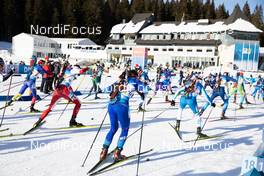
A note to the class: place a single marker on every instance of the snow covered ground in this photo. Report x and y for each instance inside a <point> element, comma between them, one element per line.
<point>54,151</point>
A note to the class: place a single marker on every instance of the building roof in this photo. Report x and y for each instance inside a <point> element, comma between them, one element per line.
<point>118,28</point>
<point>134,25</point>
<point>40,37</point>
<point>237,21</point>
<point>132,28</point>
<point>80,41</point>
<point>178,42</point>
<point>138,17</point>
<point>242,25</point>
<point>236,14</point>
<point>195,27</point>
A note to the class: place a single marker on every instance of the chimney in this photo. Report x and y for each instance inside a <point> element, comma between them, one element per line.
<point>124,21</point>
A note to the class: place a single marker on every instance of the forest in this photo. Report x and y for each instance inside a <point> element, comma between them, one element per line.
<point>17,16</point>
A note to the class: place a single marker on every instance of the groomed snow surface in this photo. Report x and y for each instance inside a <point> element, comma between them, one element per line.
<point>53,151</point>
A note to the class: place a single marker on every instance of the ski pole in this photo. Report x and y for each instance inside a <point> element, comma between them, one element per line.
<point>16,84</point>
<point>94,139</point>
<point>204,125</point>
<point>140,142</point>
<point>6,100</point>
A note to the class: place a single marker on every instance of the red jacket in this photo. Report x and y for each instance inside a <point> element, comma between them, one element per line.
<point>47,69</point>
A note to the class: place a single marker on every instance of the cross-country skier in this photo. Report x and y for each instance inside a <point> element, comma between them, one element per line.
<point>30,82</point>
<point>238,87</point>
<point>144,88</point>
<point>97,73</point>
<point>189,92</point>
<point>64,90</point>
<point>118,109</point>
<point>258,87</point>
<point>6,76</point>
<point>219,89</point>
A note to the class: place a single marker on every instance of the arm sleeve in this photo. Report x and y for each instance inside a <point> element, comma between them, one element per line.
<point>179,91</point>
<point>204,93</point>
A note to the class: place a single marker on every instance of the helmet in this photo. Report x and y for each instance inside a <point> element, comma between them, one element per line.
<point>241,73</point>
<point>40,62</point>
<point>137,66</point>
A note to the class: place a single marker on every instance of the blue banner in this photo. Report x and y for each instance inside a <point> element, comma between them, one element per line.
<point>246,55</point>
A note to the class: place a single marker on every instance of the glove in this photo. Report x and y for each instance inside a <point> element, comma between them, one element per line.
<point>12,69</point>
<point>213,104</point>
<point>172,103</point>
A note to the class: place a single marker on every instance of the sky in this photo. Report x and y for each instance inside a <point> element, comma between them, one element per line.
<point>230,4</point>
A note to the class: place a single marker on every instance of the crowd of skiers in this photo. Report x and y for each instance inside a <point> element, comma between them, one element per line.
<point>58,77</point>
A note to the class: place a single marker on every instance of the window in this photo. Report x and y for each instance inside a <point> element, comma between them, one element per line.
<point>199,50</point>
<point>130,48</point>
<point>116,48</point>
<point>124,48</point>
<point>189,50</point>
<point>155,49</point>
<point>148,49</point>
<point>164,49</point>
<point>171,49</point>
<point>180,49</point>
<point>209,50</point>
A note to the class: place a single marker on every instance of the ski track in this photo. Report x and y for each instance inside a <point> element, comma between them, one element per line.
<point>52,151</point>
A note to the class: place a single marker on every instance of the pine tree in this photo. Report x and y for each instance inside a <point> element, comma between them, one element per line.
<point>137,6</point>
<point>1,20</point>
<point>148,6</point>
<point>196,9</point>
<point>28,15</point>
<point>209,8</point>
<point>93,18</point>
<point>246,10</point>
<point>122,11</point>
<point>257,17</point>
<point>9,19</point>
<point>221,12</point>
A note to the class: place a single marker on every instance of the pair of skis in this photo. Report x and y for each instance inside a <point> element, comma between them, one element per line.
<point>114,163</point>
<point>191,140</point>
<point>25,133</point>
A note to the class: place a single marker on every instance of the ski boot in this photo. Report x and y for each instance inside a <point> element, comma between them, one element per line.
<point>140,109</point>
<point>103,153</point>
<point>117,155</point>
<point>73,122</point>
<point>9,102</point>
<point>200,134</point>
<point>223,117</point>
<point>96,97</point>
<point>167,99</point>
<point>241,107</point>
<point>32,109</point>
